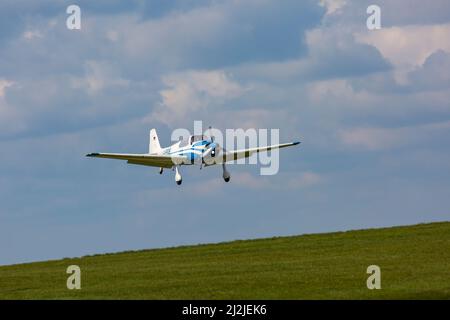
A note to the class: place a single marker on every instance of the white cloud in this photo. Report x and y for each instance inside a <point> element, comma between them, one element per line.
<point>210,186</point>
<point>304,180</point>
<point>332,52</point>
<point>332,6</point>
<point>247,180</point>
<point>32,34</point>
<point>338,93</point>
<point>3,85</point>
<point>99,75</point>
<point>112,35</point>
<point>194,91</point>
<point>10,120</point>
<point>408,47</point>
<point>375,138</point>
<point>248,118</point>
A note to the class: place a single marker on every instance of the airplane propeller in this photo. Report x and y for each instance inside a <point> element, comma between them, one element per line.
<point>211,149</point>
<point>211,136</point>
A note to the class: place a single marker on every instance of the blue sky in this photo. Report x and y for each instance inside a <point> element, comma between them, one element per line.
<point>371,108</point>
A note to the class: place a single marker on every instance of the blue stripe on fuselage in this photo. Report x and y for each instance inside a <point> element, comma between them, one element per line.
<point>199,143</point>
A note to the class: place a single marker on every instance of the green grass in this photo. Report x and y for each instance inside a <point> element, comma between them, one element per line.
<point>414,262</point>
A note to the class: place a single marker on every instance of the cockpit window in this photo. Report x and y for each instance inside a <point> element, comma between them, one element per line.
<point>197,138</point>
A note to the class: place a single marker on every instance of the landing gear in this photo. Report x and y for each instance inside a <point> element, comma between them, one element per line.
<point>178,178</point>
<point>226,175</point>
<point>161,170</point>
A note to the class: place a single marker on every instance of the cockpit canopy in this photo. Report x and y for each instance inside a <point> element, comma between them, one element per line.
<point>195,138</point>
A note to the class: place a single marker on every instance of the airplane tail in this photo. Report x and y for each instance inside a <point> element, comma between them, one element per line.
<point>154,146</point>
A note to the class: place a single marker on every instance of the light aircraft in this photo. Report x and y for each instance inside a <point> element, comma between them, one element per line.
<point>197,150</point>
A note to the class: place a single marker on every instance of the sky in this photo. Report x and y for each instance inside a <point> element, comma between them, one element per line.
<point>371,107</point>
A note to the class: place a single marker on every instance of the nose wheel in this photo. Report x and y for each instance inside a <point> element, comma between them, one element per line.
<point>178,178</point>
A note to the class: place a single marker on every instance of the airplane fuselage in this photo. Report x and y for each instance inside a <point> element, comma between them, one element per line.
<point>193,153</point>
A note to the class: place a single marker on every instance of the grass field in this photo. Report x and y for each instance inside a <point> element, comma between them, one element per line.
<point>414,262</point>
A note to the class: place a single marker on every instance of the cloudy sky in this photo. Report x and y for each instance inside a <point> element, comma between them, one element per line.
<point>372,109</point>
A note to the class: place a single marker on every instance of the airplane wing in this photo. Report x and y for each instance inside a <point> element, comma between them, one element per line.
<point>142,159</point>
<point>245,153</point>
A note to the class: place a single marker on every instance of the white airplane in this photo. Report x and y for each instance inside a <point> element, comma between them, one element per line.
<point>198,150</point>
